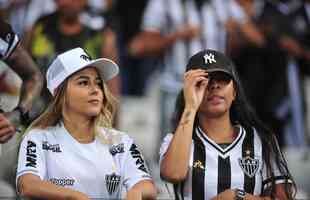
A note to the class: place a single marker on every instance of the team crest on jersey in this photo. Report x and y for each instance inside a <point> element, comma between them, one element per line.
<point>249,165</point>
<point>112,183</point>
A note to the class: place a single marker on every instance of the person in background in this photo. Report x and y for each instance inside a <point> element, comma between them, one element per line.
<point>71,151</point>
<point>63,30</point>
<point>12,53</point>
<point>227,152</point>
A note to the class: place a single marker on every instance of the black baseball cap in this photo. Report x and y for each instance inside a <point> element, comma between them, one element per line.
<point>212,61</point>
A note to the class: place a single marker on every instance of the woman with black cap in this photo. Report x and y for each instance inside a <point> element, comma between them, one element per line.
<point>219,149</point>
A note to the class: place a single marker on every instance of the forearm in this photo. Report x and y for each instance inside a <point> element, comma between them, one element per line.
<point>174,166</point>
<point>142,190</point>
<point>151,44</point>
<point>32,79</point>
<point>252,33</point>
<point>31,186</point>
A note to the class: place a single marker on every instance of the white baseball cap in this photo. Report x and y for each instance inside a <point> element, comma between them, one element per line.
<point>73,60</point>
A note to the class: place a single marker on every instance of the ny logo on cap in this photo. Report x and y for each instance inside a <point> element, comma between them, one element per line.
<point>209,58</point>
<point>85,57</point>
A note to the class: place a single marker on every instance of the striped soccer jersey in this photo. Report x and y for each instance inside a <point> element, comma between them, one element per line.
<point>8,40</point>
<point>213,169</point>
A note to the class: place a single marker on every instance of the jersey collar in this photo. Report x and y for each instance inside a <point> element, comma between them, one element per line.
<point>208,141</point>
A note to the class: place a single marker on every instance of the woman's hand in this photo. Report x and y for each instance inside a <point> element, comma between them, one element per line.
<point>195,84</point>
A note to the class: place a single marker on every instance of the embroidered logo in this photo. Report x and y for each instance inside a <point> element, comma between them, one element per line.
<point>85,57</point>
<point>249,165</point>
<point>51,147</point>
<point>112,183</point>
<point>8,37</point>
<point>209,58</point>
<point>115,149</point>
<point>198,164</point>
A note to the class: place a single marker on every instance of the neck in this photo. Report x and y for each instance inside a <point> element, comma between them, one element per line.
<point>80,128</point>
<point>219,129</point>
<point>70,26</point>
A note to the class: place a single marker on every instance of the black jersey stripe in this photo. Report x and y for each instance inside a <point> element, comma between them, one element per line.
<point>248,151</point>
<point>198,172</point>
<point>176,189</point>
<point>222,151</point>
<point>224,174</point>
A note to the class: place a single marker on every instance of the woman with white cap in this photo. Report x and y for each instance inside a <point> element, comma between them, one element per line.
<point>71,150</point>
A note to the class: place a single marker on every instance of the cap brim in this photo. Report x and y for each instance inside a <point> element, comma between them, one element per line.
<point>106,67</point>
<point>219,70</point>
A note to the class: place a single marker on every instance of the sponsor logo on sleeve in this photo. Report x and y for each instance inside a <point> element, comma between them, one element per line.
<point>112,183</point>
<point>51,147</point>
<point>62,181</point>
<point>135,153</point>
<point>115,149</point>
<point>31,156</point>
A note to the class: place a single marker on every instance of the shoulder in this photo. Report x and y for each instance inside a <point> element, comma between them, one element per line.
<point>40,134</point>
<point>49,20</point>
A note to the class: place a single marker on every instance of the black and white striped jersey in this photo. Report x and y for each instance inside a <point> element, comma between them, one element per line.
<point>8,40</point>
<point>213,169</point>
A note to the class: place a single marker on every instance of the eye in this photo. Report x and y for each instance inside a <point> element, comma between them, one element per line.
<point>99,83</point>
<point>84,82</point>
<point>221,77</point>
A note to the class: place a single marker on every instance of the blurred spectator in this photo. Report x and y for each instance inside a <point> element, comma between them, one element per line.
<point>19,60</point>
<point>13,54</point>
<point>136,71</point>
<point>268,90</point>
<point>63,30</point>
<point>180,28</point>
<point>22,14</point>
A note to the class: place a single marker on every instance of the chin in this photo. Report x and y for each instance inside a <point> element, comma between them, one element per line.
<point>93,113</point>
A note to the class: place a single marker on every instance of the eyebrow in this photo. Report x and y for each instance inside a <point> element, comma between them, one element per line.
<point>86,77</point>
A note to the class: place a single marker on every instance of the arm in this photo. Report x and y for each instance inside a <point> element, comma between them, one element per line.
<point>142,190</point>
<point>152,43</point>
<point>109,50</point>
<point>21,63</point>
<point>174,165</point>
<point>31,186</point>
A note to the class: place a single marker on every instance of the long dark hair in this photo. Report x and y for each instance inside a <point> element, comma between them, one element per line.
<point>242,113</point>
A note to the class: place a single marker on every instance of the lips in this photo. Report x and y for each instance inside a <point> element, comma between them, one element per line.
<point>95,101</point>
<point>215,99</point>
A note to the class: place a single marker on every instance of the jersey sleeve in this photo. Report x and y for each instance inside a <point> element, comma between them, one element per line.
<point>31,158</point>
<point>134,166</point>
<point>154,16</point>
<point>164,146</point>
<point>279,177</point>
<point>8,40</point>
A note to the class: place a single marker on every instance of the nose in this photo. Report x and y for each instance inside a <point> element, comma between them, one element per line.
<point>213,85</point>
<point>94,89</point>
